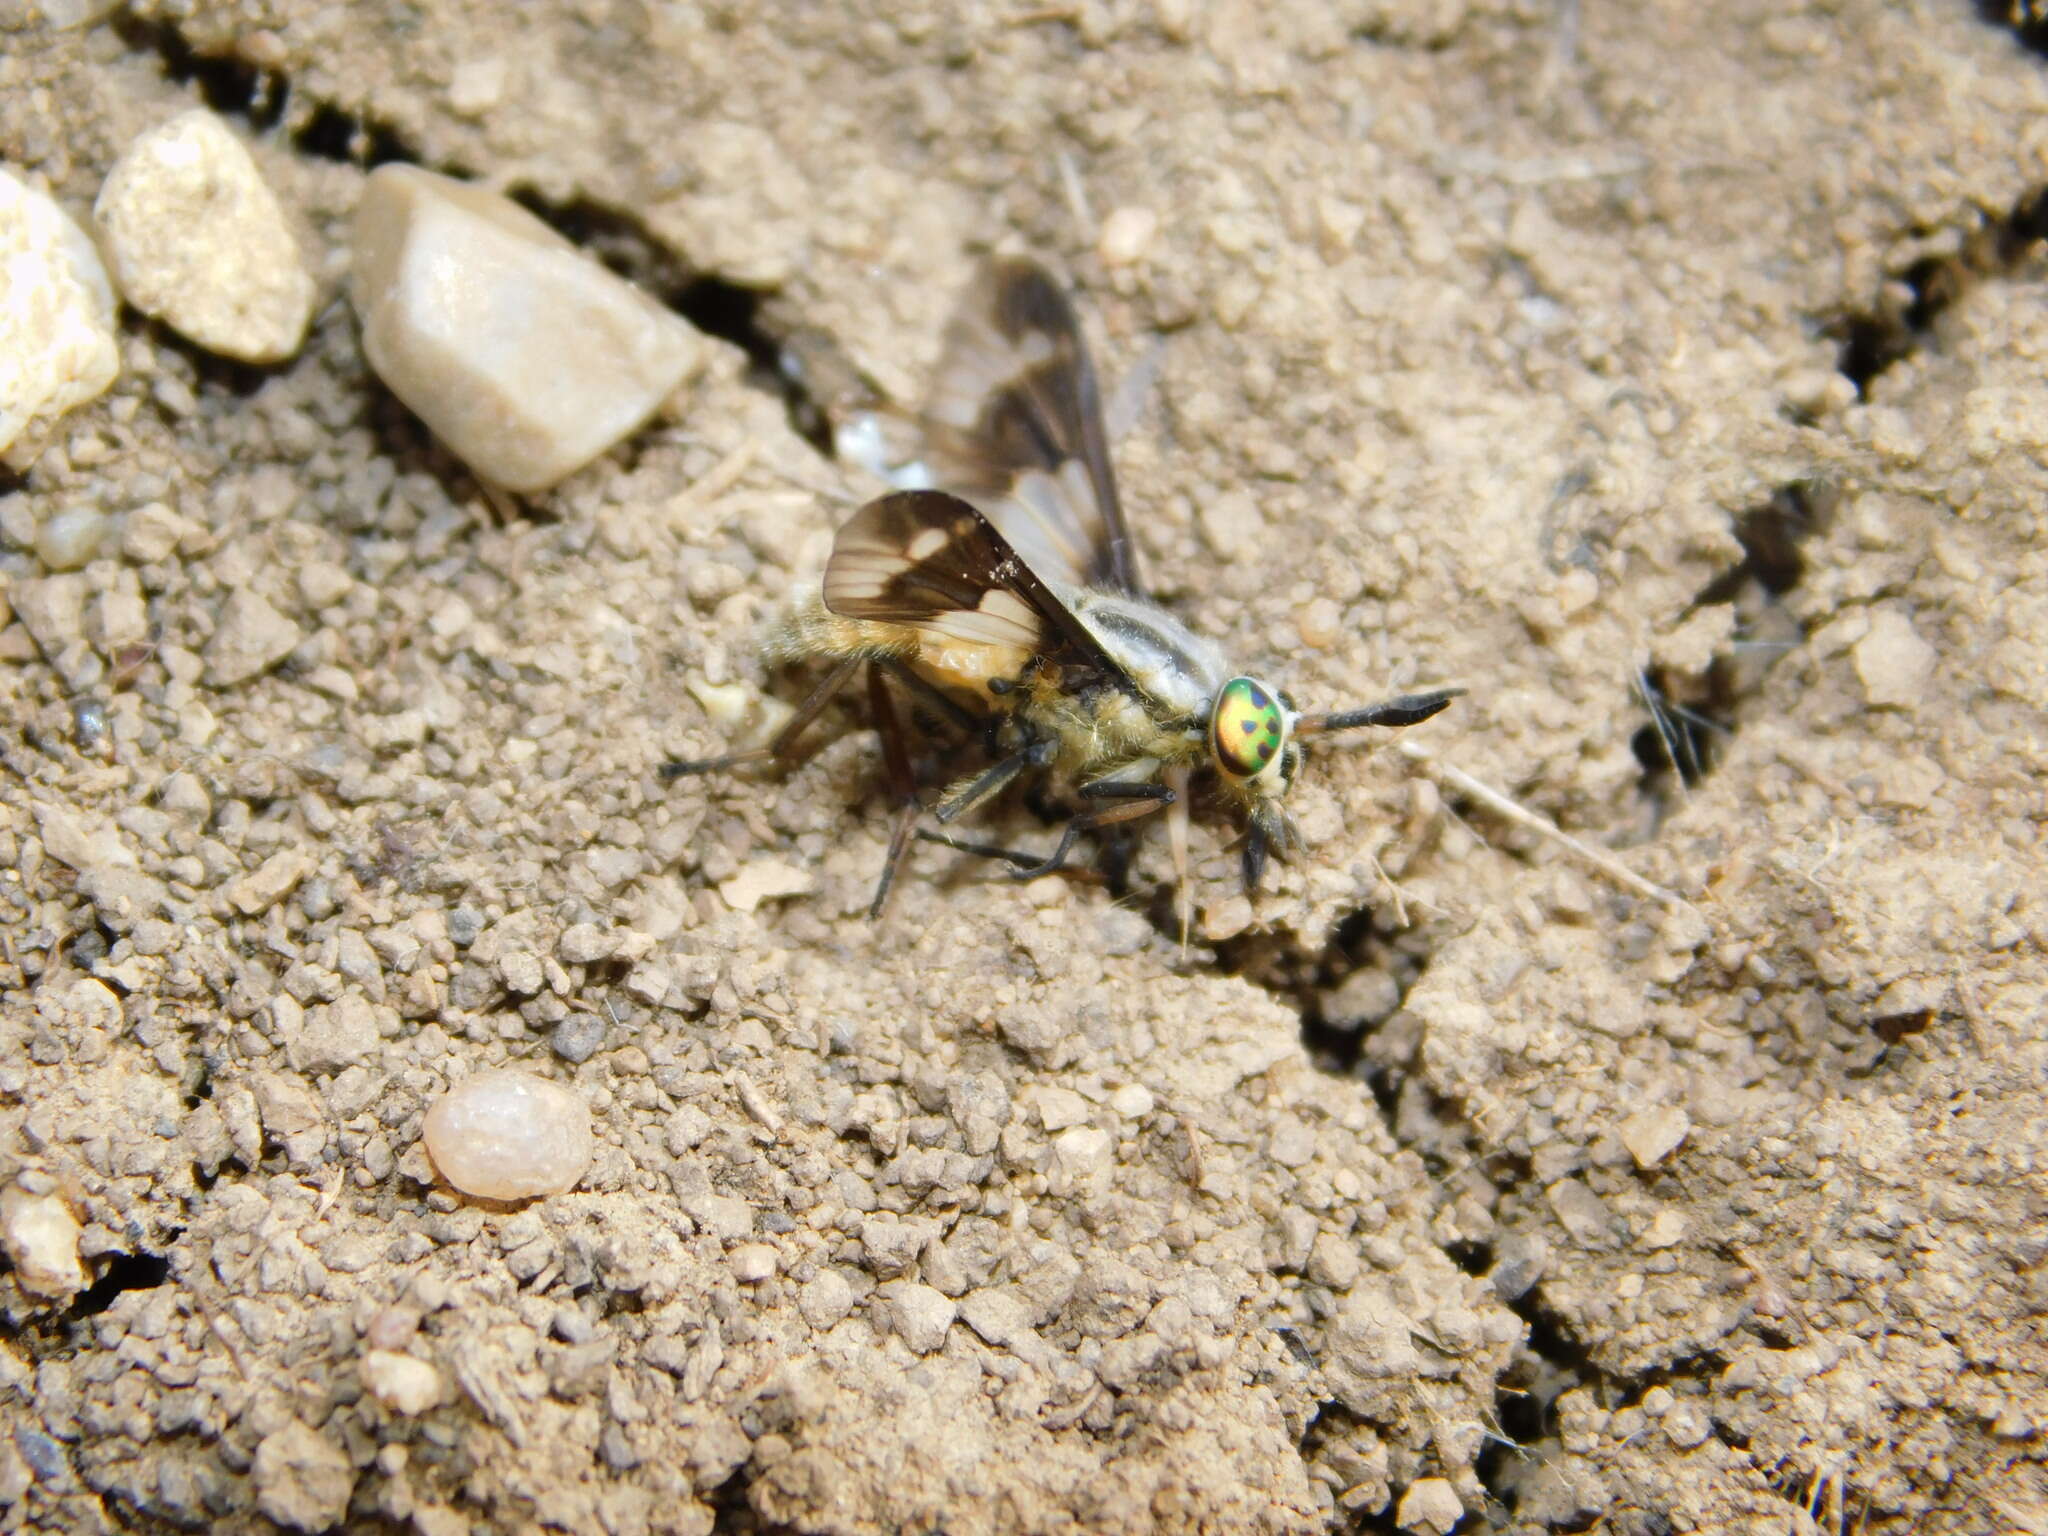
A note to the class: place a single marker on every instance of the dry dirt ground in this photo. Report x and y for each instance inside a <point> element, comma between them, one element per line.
<point>1585,354</point>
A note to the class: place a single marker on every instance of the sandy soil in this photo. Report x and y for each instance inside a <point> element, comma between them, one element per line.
<point>1563,352</point>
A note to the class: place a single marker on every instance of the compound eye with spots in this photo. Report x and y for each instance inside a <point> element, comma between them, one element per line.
<point>1247,730</point>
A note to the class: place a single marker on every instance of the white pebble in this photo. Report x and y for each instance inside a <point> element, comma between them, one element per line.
<point>525,357</point>
<point>40,1236</point>
<point>1430,1507</point>
<point>401,1382</point>
<point>825,1299</point>
<point>1893,663</point>
<point>1081,1155</point>
<point>252,637</point>
<point>752,1262</point>
<point>1133,1101</point>
<point>508,1135</point>
<point>197,239</point>
<point>1125,235</point>
<point>920,1315</point>
<point>71,538</point>
<point>57,345</point>
<point>765,880</point>
<point>1651,1135</point>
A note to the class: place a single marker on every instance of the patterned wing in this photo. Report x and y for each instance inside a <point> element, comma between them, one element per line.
<point>1014,423</point>
<point>932,562</point>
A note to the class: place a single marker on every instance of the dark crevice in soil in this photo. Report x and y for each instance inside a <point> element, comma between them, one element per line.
<point>732,1514</point>
<point>1547,1366</point>
<point>1900,320</point>
<point>1343,992</point>
<point>228,85</point>
<point>1551,1363</point>
<point>55,1333</point>
<point>2027,20</point>
<point>263,98</point>
<point>125,1272</point>
<point>1692,717</point>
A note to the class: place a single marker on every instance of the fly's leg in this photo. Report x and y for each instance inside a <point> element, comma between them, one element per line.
<point>902,783</point>
<point>783,747</point>
<point>1176,778</point>
<point>1130,800</point>
<point>979,850</point>
<point>991,781</point>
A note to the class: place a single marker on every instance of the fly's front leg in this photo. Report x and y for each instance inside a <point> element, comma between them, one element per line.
<point>991,781</point>
<point>1176,778</point>
<point>1131,798</point>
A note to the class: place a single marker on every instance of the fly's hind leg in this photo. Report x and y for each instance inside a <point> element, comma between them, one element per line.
<point>783,747</point>
<point>934,699</point>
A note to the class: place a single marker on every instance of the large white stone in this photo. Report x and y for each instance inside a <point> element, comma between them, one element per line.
<point>198,240</point>
<point>526,357</point>
<point>57,343</point>
<point>508,1135</point>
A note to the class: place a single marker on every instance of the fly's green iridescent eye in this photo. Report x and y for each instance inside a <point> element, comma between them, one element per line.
<point>1247,729</point>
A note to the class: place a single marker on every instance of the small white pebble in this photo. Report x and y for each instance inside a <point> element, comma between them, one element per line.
<point>1125,235</point>
<point>765,880</point>
<point>1651,1135</point>
<point>71,539</point>
<point>584,944</point>
<point>826,1299</point>
<point>476,85</point>
<point>1430,1507</point>
<point>521,971</point>
<point>921,1316</point>
<point>726,705</point>
<point>401,1382</point>
<point>1320,623</point>
<point>752,1262</point>
<point>150,533</point>
<point>40,1236</point>
<point>1133,1101</point>
<point>196,238</point>
<point>508,1135</point>
<point>1081,1155</point>
<point>1894,664</point>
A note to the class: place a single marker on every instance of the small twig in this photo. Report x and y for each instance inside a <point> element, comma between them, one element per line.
<point>1543,826</point>
<point>717,480</point>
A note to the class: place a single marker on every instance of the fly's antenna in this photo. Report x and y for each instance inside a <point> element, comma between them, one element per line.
<point>1407,709</point>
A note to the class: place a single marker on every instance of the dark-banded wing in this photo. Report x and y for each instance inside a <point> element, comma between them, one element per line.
<point>932,562</point>
<point>1014,424</point>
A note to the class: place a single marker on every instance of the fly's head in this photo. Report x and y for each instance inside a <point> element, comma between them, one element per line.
<point>1251,744</point>
<point>1251,739</point>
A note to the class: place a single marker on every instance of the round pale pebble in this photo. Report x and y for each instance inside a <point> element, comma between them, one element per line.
<point>508,1135</point>
<point>40,1236</point>
<point>196,237</point>
<point>1125,235</point>
<point>401,1382</point>
<point>71,538</point>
